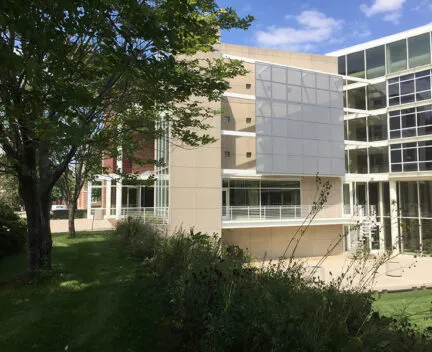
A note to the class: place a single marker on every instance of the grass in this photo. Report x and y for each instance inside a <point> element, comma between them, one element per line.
<point>416,305</point>
<point>98,301</point>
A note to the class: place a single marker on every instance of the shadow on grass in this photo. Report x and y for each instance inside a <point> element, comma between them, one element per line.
<point>98,299</point>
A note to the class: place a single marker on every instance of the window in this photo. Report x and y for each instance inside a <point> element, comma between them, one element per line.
<point>411,122</point>
<point>248,120</point>
<point>341,65</point>
<point>357,130</point>
<point>227,154</point>
<point>376,96</point>
<point>419,50</point>
<point>416,156</point>
<point>248,155</point>
<point>377,128</point>
<point>227,119</point>
<point>378,160</point>
<point>396,56</point>
<point>375,61</point>
<point>410,88</point>
<point>358,161</point>
<point>357,98</point>
<point>248,86</point>
<point>356,64</point>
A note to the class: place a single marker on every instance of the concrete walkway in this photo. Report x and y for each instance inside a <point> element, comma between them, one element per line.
<point>405,273</point>
<point>58,226</point>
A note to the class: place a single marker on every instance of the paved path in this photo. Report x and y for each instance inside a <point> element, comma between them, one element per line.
<point>58,226</point>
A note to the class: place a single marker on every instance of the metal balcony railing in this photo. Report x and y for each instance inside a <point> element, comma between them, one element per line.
<point>155,215</point>
<point>283,212</point>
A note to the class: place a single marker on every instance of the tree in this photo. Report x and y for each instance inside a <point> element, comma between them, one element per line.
<point>89,72</point>
<point>86,162</point>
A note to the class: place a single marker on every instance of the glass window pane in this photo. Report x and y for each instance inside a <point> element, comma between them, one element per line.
<point>378,160</point>
<point>357,130</point>
<point>427,235</point>
<point>396,168</point>
<point>423,84</point>
<point>358,161</point>
<point>377,128</point>
<point>408,121</point>
<point>409,133</point>
<point>396,56</point>
<point>394,123</point>
<point>396,156</point>
<point>356,64</point>
<point>394,90</point>
<point>423,96</point>
<point>375,60</point>
<point>395,134</point>
<point>410,235</point>
<point>409,155</point>
<point>426,200</point>
<point>341,65</point>
<point>376,95</point>
<point>407,87</point>
<point>405,99</point>
<point>419,50</point>
<point>424,118</point>
<point>394,101</point>
<point>408,202</point>
<point>357,98</point>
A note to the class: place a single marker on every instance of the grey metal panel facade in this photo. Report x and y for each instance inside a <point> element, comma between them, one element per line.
<point>299,120</point>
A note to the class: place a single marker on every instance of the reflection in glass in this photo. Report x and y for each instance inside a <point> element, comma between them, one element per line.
<point>419,50</point>
<point>375,61</point>
<point>396,56</point>
<point>410,241</point>
<point>376,95</point>
<point>377,126</point>
<point>356,64</point>
<point>341,65</point>
<point>357,130</point>
<point>408,199</point>
<point>357,98</point>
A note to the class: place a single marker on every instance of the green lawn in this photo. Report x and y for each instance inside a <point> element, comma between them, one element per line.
<point>100,301</point>
<point>415,304</point>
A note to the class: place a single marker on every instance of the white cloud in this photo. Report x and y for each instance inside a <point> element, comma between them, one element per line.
<point>393,17</point>
<point>313,28</point>
<point>391,9</point>
<point>382,6</point>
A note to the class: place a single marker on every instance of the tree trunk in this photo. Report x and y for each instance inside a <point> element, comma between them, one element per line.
<point>71,221</point>
<point>39,241</point>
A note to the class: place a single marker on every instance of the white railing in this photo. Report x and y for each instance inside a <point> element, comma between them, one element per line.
<point>283,212</point>
<point>155,215</point>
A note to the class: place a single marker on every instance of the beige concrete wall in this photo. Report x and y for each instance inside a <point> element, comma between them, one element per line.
<point>271,242</point>
<point>238,110</point>
<point>238,148</point>
<point>333,208</point>
<point>240,84</point>
<point>302,60</point>
<point>195,183</point>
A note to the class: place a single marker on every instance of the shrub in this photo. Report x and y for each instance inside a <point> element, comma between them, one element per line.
<point>64,214</point>
<point>219,301</point>
<point>140,237</point>
<point>12,232</point>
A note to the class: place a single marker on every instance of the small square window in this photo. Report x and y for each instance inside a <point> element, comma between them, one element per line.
<point>248,119</point>
<point>227,154</point>
<point>248,86</point>
<point>248,155</point>
<point>227,119</point>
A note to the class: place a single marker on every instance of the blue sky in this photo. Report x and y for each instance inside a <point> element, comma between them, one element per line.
<point>321,26</point>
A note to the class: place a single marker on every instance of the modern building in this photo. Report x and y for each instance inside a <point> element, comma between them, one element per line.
<point>388,136</point>
<point>281,125</point>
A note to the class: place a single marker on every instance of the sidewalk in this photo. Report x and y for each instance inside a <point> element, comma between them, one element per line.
<point>58,226</point>
<point>416,273</point>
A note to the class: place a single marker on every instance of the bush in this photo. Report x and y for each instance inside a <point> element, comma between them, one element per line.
<point>217,300</point>
<point>140,237</point>
<point>12,232</point>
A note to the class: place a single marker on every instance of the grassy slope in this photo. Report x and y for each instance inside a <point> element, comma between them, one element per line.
<point>415,304</point>
<point>99,303</point>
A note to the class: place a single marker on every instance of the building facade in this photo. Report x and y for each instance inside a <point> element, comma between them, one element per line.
<point>360,118</point>
<point>388,136</point>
